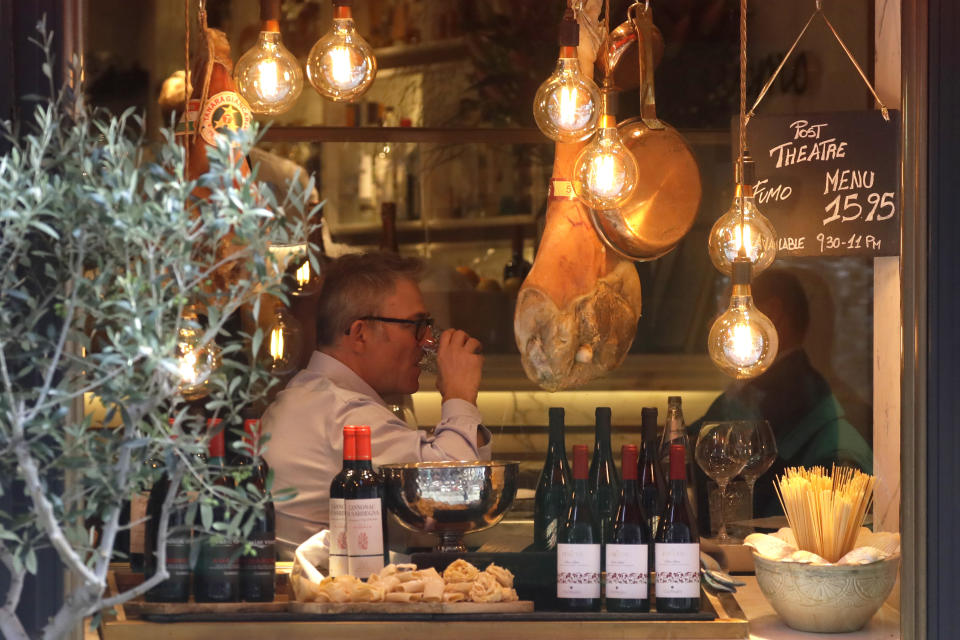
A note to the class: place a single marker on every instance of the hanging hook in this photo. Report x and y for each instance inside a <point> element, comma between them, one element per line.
<point>819,5</point>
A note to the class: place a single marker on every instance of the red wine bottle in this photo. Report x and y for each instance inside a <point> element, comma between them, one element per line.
<point>217,578</point>
<point>338,514</point>
<point>552,500</point>
<point>579,544</point>
<point>258,571</point>
<point>604,481</point>
<point>677,545</point>
<point>363,495</point>
<point>627,556</point>
<point>653,490</point>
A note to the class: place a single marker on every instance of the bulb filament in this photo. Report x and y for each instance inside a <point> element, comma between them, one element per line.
<point>568,107</point>
<point>303,274</point>
<point>340,66</point>
<point>604,175</point>
<point>277,344</point>
<point>188,365</point>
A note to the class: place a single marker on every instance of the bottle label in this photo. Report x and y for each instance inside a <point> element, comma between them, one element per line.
<point>264,559</point>
<point>578,570</point>
<point>338,537</point>
<point>364,536</point>
<point>678,570</point>
<point>627,571</point>
<point>222,112</point>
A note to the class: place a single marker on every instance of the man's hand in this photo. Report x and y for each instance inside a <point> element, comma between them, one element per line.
<point>459,365</point>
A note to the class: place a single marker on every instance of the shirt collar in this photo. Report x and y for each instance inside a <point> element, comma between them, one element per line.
<point>325,365</point>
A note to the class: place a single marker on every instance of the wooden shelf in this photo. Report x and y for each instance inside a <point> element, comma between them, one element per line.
<point>437,230</point>
<point>409,55</point>
<point>435,135</point>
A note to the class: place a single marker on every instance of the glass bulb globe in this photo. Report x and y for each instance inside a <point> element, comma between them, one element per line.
<point>293,261</point>
<point>754,233</point>
<point>283,344</point>
<point>743,341</point>
<point>268,76</point>
<point>566,104</point>
<point>195,363</point>
<point>341,66</point>
<point>605,172</point>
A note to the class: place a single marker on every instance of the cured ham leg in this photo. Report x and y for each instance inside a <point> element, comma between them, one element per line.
<point>577,310</point>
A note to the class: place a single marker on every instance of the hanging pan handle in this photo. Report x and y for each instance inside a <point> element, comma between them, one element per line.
<point>642,17</point>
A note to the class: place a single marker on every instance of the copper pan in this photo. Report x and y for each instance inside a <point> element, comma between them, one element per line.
<point>622,43</point>
<point>664,205</point>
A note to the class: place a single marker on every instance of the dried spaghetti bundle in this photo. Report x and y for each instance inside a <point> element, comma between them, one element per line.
<point>825,511</point>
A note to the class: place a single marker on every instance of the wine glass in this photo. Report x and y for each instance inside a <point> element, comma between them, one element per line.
<point>721,454</point>
<point>761,451</point>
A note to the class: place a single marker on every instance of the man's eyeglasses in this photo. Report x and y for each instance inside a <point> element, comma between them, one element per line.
<point>420,325</point>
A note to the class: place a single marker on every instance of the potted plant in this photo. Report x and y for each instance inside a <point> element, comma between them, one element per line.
<point>104,249</point>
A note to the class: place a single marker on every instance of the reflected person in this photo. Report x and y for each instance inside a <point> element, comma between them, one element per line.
<point>808,422</point>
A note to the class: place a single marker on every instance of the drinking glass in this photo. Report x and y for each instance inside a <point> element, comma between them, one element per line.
<point>760,447</point>
<point>721,454</point>
<point>428,359</point>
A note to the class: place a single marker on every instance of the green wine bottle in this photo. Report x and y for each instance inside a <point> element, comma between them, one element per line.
<point>604,480</point>
<point>552,500</point>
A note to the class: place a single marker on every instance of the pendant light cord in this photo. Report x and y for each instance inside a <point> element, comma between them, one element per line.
<point>742,120</point>
<point>186,88</point>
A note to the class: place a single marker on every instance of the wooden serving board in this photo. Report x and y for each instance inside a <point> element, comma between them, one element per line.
<point>389,608</point>
<point>142,608</point>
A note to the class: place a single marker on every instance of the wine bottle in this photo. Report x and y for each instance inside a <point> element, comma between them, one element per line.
<point>133,516</point>
<point>677,545</point>
<point>518,267</point>
<point>675,432</point>
<point>552,500</point>
<point>217,578</point>
<point>338,514</point>
<point>388,233</point>
<point>258,571</point>
<point>653,485</point>
<point>604,481</point>
<point>363,495</point>
<point>627,556</point>
<point>176,588</point>
<point>579,544</point>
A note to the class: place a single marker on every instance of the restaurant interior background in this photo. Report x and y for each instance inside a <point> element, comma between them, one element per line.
<point>475,65</point>
<point>129,69</point>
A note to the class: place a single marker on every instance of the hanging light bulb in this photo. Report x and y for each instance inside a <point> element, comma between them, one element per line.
<point>195,363</point>
<point>299,275</point>
<point>605,172</point>
<point>751,231</point>
<point>267,75</point>
<point>743,342</point>
<point>566,104</point>
<point>283,344</point>
<point>341,65</point>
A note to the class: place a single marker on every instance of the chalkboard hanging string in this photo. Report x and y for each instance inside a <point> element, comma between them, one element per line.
<point>772,79</point>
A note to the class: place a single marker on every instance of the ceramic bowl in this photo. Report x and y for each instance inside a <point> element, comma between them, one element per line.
<point>826,598</point>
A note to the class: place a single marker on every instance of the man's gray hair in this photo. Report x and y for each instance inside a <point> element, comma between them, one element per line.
<point>355,285</point>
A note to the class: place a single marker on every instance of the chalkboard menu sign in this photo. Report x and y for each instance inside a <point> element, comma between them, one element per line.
<point>829,182</point>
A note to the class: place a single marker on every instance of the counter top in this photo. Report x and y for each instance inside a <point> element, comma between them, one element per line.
<point>748,602</point>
